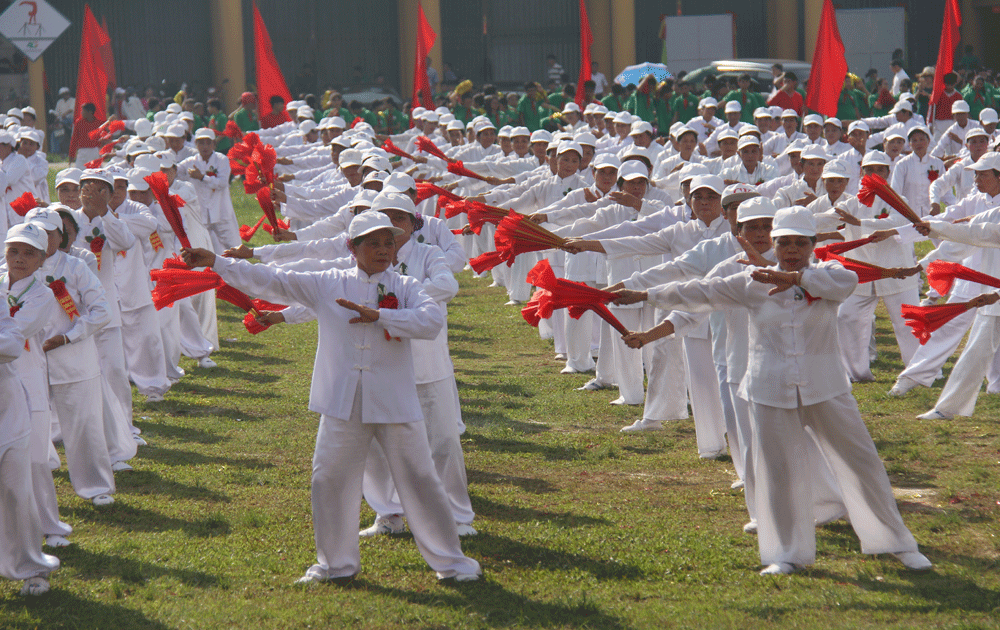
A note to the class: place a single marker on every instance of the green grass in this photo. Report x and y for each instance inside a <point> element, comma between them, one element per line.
<point>580,526</point>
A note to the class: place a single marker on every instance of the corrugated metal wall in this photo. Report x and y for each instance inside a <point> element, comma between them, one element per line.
<point>151,41</point>
<point>751,24</point>
<point>519,35</point>
<point>347,43</point>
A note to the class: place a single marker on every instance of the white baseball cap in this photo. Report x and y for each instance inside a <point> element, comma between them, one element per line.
<point>606,160</point>
<point>738,192</point>
<point>712,182</point>
<point>858,124</point>
<point>398,182</point>
<point>641,127</point>
<point>47,218</point>
<point>988,116</point>
<point>812,119</point>
<point>206,134</point>
<point>689,171</point>
<point>733,107</point>
<point>876,157</point>
<point>708,101</point>
<point>98,174</point>
<point>350,157</point>
<point>71,175</point>
<point>393,201</point>
<point>794,221</point>
<point>570,146</point>
<point>30,234</point>
<point>960,107</point>
<point>368,222</point>
<point>136,181</point>
<point>814,152</point>
<point>633,170</point>
<point>756,208</point>
<point>834,169</point>
<point>990,161</point>
<point>901,105</point>
<point>307,126</point>
<point>747,141</point>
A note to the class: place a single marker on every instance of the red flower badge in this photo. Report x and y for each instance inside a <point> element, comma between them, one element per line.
<point>932,174</point>
<point>387,300</point>
<point>96,242</point>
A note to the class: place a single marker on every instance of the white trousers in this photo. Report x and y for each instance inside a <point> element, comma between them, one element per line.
<point>198,325</point>
<point>578,337</point>
<point>225,234</point>
<point>855,323</point>
<point>442,414</point>
<point>338,468</point>
<point>786,530</point>
<point>925,366</point>
<point>518,288</point>
<point>42,485</point>
<point>666,381</point>
<point>111,356</point>
<point>79,407</point>
<point>960,392</point>
<point>21,554</point>
<point>170,336</point>
<point>628,361</point>
<point>604,368</point>
<point>144,353</point>
<point>741,442</point>
<point>706,402</point>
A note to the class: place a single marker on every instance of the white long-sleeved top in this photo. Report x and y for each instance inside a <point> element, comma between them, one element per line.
<point>19,181</point>
<point>14,423</point>
<point>892,252</point>
<point>213,188</point>
<point>77,360</point>
<point>982,231</point>
<point>131,269</point>
<point>794,350</point>
<point>911,177</point>
<point>954,184</point>
<point>35,307</point>
<point>117,238</point>
<point>761,173</point>
<point>946,145</point>
<point>349,354</point>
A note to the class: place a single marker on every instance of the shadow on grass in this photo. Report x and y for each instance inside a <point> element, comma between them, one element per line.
<point>510,445</point>
<point>128,518</point>
<point>145,482</point>
<point>242,355</point>
<point>96,566</point>
<point>240,377</point>
<point>502,512</point>
<point>187,411</point>
<point>509,552</point>
<point>498,607</point>
<point>496,387</point>
<point>529,484</point>
<point>156,430</point>
<point>176,457</point>
<point>62,609</point>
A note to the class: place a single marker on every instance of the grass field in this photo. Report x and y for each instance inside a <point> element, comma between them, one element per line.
<point>580,526</point>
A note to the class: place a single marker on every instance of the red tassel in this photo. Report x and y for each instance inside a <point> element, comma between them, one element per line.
<point>108,129</point>
<point>872,185</point>
<point>391,147</point>
<point>425,190</point>
<point>247,232</point>
<point>177,284</point>
<point>95,163</point>
<point>457,168</point>
<point>941,274</point>
<point>426,145</point>
<point>926,319</point>
<point>839,248</point>
<point>24,204</point>
<point>170,204</point>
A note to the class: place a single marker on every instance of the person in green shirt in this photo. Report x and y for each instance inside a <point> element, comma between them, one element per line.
<point>848,107</point>
<point>336,107</point>
<point>641,102</point>
<point>748,99</point>
<point>978,95</point>
<point>495,112</point>
<point>615,102</point>
<point>662,104</point>
<point>360,111</point>
<point>217,123</point>
<point>153,105</point>
<point>684,104</point>
<point>466,111</point>
<point>393,119</point>
<point>527,108</point>
<point>558,100</point>
<point>881,99</point>
<point>246,116</point>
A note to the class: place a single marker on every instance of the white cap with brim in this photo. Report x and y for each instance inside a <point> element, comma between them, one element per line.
<point>393,201</point>
<point>606,160</point>
<point>45,217</point>
<point>147,161</point>
<point>586,139</point>
<point>812,119</point>
<point>136,180</point>
<point>29,234</point>
<point>916,128</point>
<point>640,127</point>
<point>756,208</point>
<point>307,126</point>
<point>205,134</point>
<point>858,125</point>
<point>896,131</point>
<point>989,161</point>
<point>376,162</point>
<point>873,158</point>
<point>796,146</point>
<point>363,199</point>
<point>541,135</point>
<point>167,159</point>
<point>570,146</point>
<point>728,133</point>
<point>748,141</point>
<point>689,171</point>
<point>350,157</point>
<point>518,132</point>
<point>97,174</point>
<point>738,192</point>
<point>143,128</point>
<point>960,107</point>
<point>71,175</point>
<point>901,106</point>
<point>456,125</point>
<point>338,123</point>
<point>708,101</point>
<point>988,116</point>
<point>398,182</point>
<point>623,118</point>
<point>504,132</point>
<point>976,131</point>
<point>835,169</point>
<point>368,222</point>
<point>814,152</point>
<point>794,221</point>
<point>789,113</point>
<point>733,107</point>
<point>712,182</point>
<point>633,170</point>
<point>833,120</point>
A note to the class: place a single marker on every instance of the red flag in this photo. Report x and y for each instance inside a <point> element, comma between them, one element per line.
<point>106,55</point>
<point>92,79</point>
<point>946,50</point>
<point>425,41</point>
<point>586,41</point>
<point>829,65</point>
<point>270,81</point>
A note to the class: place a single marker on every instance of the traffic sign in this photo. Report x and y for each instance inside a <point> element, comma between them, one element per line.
<point>32,25</point>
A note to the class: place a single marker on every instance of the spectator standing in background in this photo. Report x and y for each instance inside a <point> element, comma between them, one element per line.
<point>555,71</point>
<point>600,81</point>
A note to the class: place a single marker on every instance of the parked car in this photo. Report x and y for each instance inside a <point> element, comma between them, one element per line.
<point>758,69</point>
<point>367,95</point>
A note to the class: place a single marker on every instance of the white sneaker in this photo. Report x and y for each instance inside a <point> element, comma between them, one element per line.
<point>461,577</point>
<point>384,525</point>
<point>35,586</point>
<point>513,303</point>
<point>55,540</point>
<point>641,425</point>
<point>779,568</point>
<point>914,560</point>
<point>736,485</point>
<point>121,467</point>
<point>139,441</point>
<point>750,528</point>
<point>903,385</point>
<point>102,500</point>
<point>465,529</point>
<point>592,386</point>
<point>207,363</point>
<point>151,398</point>
<point>560,356</point>
<point>621,401</point>
<point>712,455</point>
<point>933,414</point>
